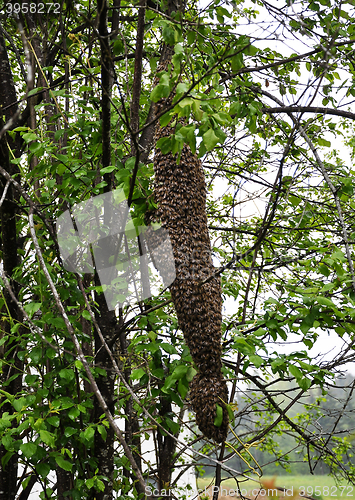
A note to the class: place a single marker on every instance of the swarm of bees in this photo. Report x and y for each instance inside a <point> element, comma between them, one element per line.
<point>180,191</point>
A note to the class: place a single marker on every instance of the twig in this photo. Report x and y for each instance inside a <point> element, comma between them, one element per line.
<point>326,177</point>
<point>82,358</point>
<point>29,79</point>
<point>129,389</point>
<point>4,192</point>
<point>33,327</point>
<point>336,199</point>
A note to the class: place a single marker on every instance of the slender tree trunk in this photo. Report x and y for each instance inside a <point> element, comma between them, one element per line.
<point>104,449</point>
<point>107,75</point>
<point>167,448</point>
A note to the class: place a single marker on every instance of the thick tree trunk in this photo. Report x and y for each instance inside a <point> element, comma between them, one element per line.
<point>12,367</point>
<point>64,484</point>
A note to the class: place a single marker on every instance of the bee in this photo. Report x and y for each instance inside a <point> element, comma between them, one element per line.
<point>180,192</point>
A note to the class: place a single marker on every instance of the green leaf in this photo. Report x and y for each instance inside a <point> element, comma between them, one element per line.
<point>169,34</point>
<point>325,302</point>
<point>164,120</point>
<point>159,92</point>
<point>63,464</point>
<point>90,482</point>
<point>36,148</point>
<point>230,413</point>
<point>69,431</point>
<point>5,422</point>
<point>169,348</point>
<point>8,442</point>
<point>100,485</point>
<point>89,433</point>
<point>169,382</point>
<point>159,373</point>
<point>179,371</point>
<point>181,89</point>
<point>183,388</point>
<point>237,62</point>
<point>251,50</point>
<point>296,372</point>
<point>86,315</point>
<point>164,144</point>
<point>19,404</point>
<point>191,372</point>
<point>43,469</point>
<point>210,139</point>
<point>82,407</point>
<point>32,308</point>
<point>57,322</point>
<point>5,338</point>
<point>78,364</point>
<point>256,360</point>
<point>137,374</point>
<point>33,92</point>
<point>29,136</point>
<point>28,449</point>
<point>260,332</point>
<point>102,432</point>
<point>51,353</point>
<point>219,416</point>
<point>47,437</point>
<point>323,142</point>
<point>304,383</point>
<point>173,426</point>
<point>107,170</point>
<point>55,421</point>
<point>73,413</point>
<point>67,374</point>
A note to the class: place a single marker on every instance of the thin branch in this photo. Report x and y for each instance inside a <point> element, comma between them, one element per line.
<point>129,389</point>
<point>336,199</point>
<point>82,358</point>
<point>33,327</point>
<point>4,192</point>
<point>308,438</point>
<point>10,123</point>
<point>327,179</point>
<point>137,79</point>
<point>31,203</point>
<point>14,48</point>
<point>281,62</point>
<point>273,201</point>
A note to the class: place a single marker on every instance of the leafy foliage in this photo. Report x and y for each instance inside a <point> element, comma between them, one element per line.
<point>262,95</point>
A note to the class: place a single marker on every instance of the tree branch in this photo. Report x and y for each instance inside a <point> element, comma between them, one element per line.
<point>309,109</point>
<point>82,358</point>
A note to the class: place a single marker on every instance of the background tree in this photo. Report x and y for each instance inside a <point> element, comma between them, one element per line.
<point>93,96</point>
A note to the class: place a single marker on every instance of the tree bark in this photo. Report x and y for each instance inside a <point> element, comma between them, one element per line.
<point>104,449</point>
<point>8,101</point>
<point>107,76</point>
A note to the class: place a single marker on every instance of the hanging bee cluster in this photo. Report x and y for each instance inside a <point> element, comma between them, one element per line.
<point>180,191</point>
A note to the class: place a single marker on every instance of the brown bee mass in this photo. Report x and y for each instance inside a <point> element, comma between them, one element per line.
<point>180,191</point>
